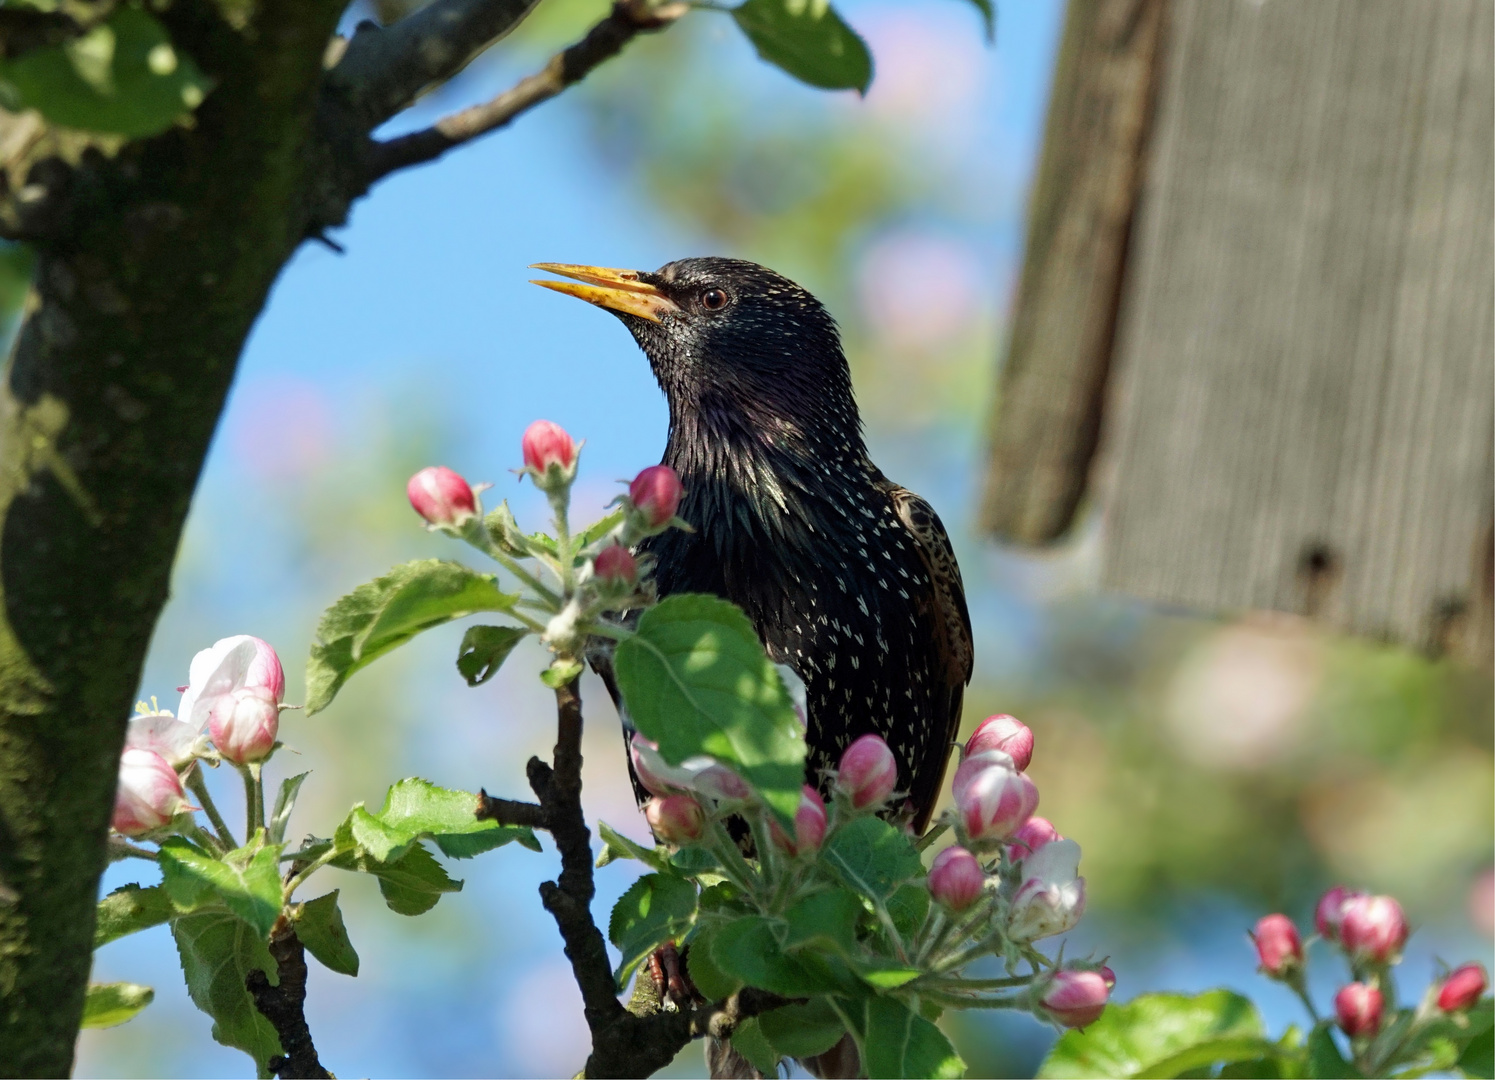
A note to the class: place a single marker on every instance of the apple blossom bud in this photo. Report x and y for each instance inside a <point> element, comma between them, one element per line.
<point>442,497</point>
<point>1034,833</point>
<point>148,794</point>
<point>1005,733</point>
<point>676,819</point>
<point>868,772</point>
<point>809,820</point>
<point>549,455</point>
<point>992,798</point>
<point>655,494</point>
<point>1051,898</point>
<point>243,724</point>
<point>956,878</point>
<point>701,775</point>
<point>1279,949</point>
<point>1373,928</point>
<point>1463,988</point>
<point>1074,999</point>
<point>1330,911</point>
<point>1358,1008</point>
<point>615,567</point>
<point>1110,976</point>
<point>718,783</point>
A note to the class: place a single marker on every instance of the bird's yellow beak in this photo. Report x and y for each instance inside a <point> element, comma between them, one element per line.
<point>617,290</point>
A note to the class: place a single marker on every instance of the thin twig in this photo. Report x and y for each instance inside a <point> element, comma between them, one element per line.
<point>627,20</point>
<point>284,1006</point>
<point>509,811</point>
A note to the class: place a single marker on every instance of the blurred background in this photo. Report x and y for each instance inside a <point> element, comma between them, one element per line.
<point>1210,771</point>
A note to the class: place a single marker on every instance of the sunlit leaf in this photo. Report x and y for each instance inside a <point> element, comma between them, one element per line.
<point>808,40</point>
<point>901,1043</point>
<point>111,1004</point>
<point>128,909</point>
<point>484,650</point>
<point>655,909</point>
<point>319,925</point>
<point>247,880</point>
<point>697,681</point>
<point>385,613</point>
<point>285,804</point>
<point>410,884</point>
<point>1162,1035</point>
<point>872,857</point>
<point>218,950</point>
<point>826,919</point>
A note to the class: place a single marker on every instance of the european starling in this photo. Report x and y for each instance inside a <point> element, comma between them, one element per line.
<point>848,578</point>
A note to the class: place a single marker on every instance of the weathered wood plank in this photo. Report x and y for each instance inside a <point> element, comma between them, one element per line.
<point>1303,396</point>
<point>1046,419</point>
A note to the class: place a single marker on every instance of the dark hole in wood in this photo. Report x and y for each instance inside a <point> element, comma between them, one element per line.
<point>1318,568</point>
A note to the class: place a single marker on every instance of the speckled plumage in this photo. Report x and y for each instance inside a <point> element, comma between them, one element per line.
<point>848,578</point>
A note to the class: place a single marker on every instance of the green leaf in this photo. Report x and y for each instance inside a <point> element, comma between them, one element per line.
<point>748,1040</point>
<point>218,950</point>
<point>617,846</point>
<point>130,908</point>
<point>802,1030</point>
<point>655,909</point>
<point>908,907</point>
<point>484,650</point>
<point>560,672</point>
<point>889,976</point>
<point>319,925</point>
<point>411,884</point>
<point>1157,1031</point>
<point>825,919</point>
<point>872,857</point>
<point>696,680</point>
<point>111,1004</point>
<point>1478,1057</point>
<point>389,611</point>
<point>599,528</point>
<point>713,983</point>
<point>695,860</point>
<point>1324,1058</point>
<point>246,879</point>
<point>808,40</point>
<point>123,77</point>
<point>285,803</point>
<point>416,809</point>
<point>988,11</point>
<point>901,1043</point>
<point>747,949</point>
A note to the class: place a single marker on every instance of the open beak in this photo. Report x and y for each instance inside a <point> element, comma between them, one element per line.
<point>616,290</point>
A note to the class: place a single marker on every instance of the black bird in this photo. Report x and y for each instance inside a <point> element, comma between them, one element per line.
<point>848,578</point>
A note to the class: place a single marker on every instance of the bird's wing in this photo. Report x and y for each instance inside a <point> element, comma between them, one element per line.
<point>939,559</point>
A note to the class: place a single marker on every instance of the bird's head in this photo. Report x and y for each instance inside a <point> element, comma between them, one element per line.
<point>731,343</point>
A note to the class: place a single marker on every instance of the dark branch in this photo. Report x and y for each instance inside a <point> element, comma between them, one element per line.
<point>509,812</point>
<point>284,1007</point>
<point>628,19</point>
<point>384,70</point>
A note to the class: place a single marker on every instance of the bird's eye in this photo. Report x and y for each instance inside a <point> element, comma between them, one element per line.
<point>713,299</point>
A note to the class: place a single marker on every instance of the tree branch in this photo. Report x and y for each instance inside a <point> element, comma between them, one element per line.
<point>606,39</point>
<point>509,811</point>
<point>284,1006</point>
<point>384,69</point>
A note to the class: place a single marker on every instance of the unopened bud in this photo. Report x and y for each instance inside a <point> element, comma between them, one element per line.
<point>1032,835</point>
<point>1373,928</point>
<point>1074,999</point>
<point>549,455</point>
<point>615,567</point>
<point>1005,733</point>
<point>676,819</point>
<point>1279,949</point>
<point>655,494</point>
<point>992,797</point>
<point>1463,988</point>
<point>442,497</point>
<point>1051,898</point>
<point>868,772</point>
<point>1330,911</point>
<point>1358,1009</point>
<point>809,824</point>
<point>148,794</point>
<point>243,724</point>
<point>956,878</point>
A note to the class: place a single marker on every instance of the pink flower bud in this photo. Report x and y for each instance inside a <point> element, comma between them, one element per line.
<point>1330,911</point>
<point>1034,833</point>
<point>243,724</point>
<point>701,775</point>
<point>676,819</point>
<point>1110,977</point>
<point>868,772</point>
<point>614,566</point>
<point>992,798</point>
<point>656,492</point>
<point>442,497</point>
<point>1358,1008</point>
<point>148,794</point>
<point>1073,999</point>
<point>1279,949</point>
<point>1373,928</point>
<point>546,444</point>
<point>956,879</point>
<point>232,663</point>
<point>1051,898</point>
<point>809,820</point>
<point>1463,988</point>
<point>1005,733</point>
<point>719,783</point>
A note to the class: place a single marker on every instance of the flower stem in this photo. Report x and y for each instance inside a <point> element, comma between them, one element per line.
<point>311,868</point>
<point>198,785</point>
<point>122,847</point>
<point>254,799</point>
